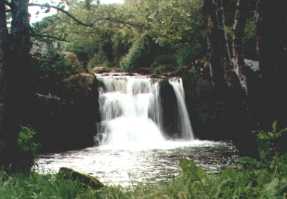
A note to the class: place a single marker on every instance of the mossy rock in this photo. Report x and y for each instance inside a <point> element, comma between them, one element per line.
<point>82,84</point>
<point>87,180</point>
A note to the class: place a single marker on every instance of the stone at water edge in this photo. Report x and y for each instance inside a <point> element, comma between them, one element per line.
<point>70,174</point>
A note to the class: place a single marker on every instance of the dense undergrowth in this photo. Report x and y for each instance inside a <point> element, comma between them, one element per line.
<point>264,177</point>
<point>252,179</point>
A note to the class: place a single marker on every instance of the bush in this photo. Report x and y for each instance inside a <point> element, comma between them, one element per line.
<point>164,63</point>
<point>168,60</point>
<point>159,69</point>
<point>28,148</point>
<point>51,69</point>
<point>97,60</point>
<point>56,64</point>
<point>268,142</point>
<point>141,54</point>
<point>38,186</point>
<point>184,56</point>
<point>27,141</point>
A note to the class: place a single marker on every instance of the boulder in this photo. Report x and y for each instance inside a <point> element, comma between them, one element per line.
<point>87,180</point>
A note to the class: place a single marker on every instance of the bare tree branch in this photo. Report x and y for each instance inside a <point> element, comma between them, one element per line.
<point>63,11</point>
<point>113,20</point>
<point>8,4</point>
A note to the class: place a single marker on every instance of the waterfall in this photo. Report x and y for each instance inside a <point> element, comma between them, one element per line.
<point>183,116</point>
<point>131,111</point>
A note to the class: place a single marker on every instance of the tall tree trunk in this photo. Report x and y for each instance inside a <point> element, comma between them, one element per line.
<point>3,50</point>
<point>222,68</point>
<point>17,78</point>
<point>219,53</point>
<point>230,97</point>
<point>272,45</point>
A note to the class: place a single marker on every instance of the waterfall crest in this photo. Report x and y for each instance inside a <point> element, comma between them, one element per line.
<point>131,111</point>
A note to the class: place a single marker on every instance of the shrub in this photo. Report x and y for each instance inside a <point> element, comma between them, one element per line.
<point>97,60</point>
<point>268,142</point>
<point>184,56</point>
<point>56,64</point>
<point>28,148</point>
<point>51,68</point>
<point>141,54</point>
<point>27,141</point>
<point>169,60</point>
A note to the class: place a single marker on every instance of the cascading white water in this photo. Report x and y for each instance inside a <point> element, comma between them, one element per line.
<point>133,148</point>
<point>131,112</point>
<point>183,116</point>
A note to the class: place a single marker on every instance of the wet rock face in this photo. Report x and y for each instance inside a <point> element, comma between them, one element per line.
<point>229,115</point>
<point>67,121</point>
<point>169,109</point>
<point>201,105</point>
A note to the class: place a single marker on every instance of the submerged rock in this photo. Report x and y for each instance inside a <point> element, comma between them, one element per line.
<point>70,174</point>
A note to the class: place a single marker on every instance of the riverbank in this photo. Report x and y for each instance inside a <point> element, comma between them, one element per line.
<point>250,179</point>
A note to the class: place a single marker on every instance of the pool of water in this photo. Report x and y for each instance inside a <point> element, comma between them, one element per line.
<point>132,165</point>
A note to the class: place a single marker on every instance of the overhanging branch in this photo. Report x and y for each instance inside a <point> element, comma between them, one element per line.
<point>43,35</point>
<point>8,4</point>
<point>48,37</point>
<point>113,20</point>
<point>123,22</point>
<point>63,11</point>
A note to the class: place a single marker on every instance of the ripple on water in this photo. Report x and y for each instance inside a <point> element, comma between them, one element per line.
<point>132,165</point>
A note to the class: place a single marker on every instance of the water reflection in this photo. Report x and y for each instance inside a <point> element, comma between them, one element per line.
<point>131,166</point>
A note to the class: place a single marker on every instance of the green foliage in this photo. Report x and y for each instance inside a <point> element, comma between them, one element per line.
<point>266,182</point>
<point>38,186</point>
<point>185,55</point>
<point>249,39</point>
<point>56,64</point>
<point>268,142</point>
<point>165,60</point>
<point>116,38</point>
<point>164,63</point>
<point>52,68</point>
<point>28,148</point>
<point>264,178</point>
<point>27,141</point>
<point>141,54</point>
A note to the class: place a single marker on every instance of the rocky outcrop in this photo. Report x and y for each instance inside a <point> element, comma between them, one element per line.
<point>70,174</point>
<point>67,120</point>
<point>200,103</point>
<point>226,116</point>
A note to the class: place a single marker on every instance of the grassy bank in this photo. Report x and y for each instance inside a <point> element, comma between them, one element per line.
<point>251,179</point>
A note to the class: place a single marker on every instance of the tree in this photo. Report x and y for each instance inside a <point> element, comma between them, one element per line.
<point>3,51</point>
<point>16,74</point>
<point>218,47</point>
<point>272,45</point>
